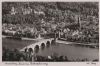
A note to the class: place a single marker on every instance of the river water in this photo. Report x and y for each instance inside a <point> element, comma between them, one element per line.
<point>71,51</point>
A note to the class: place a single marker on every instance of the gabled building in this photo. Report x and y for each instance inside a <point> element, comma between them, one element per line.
<point>20,10</point>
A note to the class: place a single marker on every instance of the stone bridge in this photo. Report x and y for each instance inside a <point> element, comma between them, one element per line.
<point>40,44</point>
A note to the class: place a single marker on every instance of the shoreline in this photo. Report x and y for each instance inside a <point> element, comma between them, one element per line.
<point>75,43</point>
<point>82,43</point>
<point>22,38</point>
<point>58,41</point>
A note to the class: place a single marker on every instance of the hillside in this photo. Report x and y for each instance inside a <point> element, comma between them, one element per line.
<point>50,16</point>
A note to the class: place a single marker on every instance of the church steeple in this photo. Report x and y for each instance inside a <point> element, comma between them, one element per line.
<point>79,23</point>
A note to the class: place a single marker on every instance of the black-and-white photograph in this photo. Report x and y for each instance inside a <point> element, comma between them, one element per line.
<point>50,31</point>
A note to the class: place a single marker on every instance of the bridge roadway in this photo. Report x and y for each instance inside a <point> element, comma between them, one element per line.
<point>41,43</point>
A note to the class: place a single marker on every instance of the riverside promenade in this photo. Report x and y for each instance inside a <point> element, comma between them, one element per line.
<point>76,43</point>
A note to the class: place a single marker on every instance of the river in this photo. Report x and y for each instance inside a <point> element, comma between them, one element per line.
<point>71,51</point>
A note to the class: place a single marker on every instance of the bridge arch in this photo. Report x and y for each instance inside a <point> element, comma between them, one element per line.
<point>48,44</point>
<point>42,45</point>
<point>36,48</point>
<point>52,42</point>
<point>30,50</point>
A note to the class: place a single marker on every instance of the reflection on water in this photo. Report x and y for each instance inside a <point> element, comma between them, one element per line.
<point>71,51</point>
<point>19,44</point>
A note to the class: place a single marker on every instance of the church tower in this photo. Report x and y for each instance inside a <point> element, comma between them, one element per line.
<point>79,23</point>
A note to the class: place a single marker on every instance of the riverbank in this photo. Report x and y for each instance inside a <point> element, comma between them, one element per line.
<point>24,38</point>
<point>62,40</point>
<point>58,41</point>
<point>66,42</point>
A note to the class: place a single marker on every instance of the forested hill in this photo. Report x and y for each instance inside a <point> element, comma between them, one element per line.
<point>38,13</point>
<point>89,8</point>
